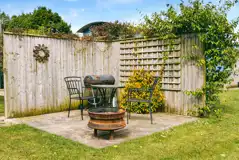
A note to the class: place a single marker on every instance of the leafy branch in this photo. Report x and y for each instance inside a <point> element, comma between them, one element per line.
<point>194,58</point>
<point>198,93</point>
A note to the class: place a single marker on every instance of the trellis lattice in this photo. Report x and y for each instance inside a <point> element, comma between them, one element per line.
<point>148,54</point>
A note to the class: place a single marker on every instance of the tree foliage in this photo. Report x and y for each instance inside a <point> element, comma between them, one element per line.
<point>216,32</point>
<point>4,19</point>
<point>40,19</point>
<point>113,30</point>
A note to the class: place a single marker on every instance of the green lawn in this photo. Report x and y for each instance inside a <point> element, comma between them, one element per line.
<point>1,105</point>
<point>205,139</point>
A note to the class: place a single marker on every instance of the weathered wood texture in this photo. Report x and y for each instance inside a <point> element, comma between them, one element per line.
<point>30,85</point>
<point>179,75</point>
<point>148,55</point>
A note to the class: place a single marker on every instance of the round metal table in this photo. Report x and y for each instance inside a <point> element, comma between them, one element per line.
<point>103,91</point>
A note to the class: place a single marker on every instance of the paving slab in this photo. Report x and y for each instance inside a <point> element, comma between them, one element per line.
<point>77,130</point>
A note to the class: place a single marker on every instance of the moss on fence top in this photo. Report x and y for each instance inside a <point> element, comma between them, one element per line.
<point>76,37</point>
<point>52,35</point>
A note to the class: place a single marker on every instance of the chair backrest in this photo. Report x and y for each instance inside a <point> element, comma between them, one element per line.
<point>153,86</point>
<point>155,82</point>
<point>74,85</point>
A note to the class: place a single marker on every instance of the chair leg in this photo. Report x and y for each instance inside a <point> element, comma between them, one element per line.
<point>82,107</point>
<point>69,109</point>
<point>130,110</point>
<point>150,112</point>
<point>127,110</point>
<point>127,116</point>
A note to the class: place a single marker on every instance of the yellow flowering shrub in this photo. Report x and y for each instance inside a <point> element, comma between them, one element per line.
<point>142,79</point>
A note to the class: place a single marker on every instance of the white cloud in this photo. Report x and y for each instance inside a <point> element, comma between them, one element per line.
<point>112,2</point>
<point>8,6</point>
<point>122,1</point>
<point>107,4</point>
<point>73,13</point>
<point>135,18</point>
<point>70,0</point>
<point>71,17</point>
<point>16,10</point>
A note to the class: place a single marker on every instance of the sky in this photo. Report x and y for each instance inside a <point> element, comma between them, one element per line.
<point>81,12</point>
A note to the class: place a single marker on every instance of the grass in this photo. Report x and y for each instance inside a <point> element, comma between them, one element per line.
<point>1,105</point>
<point>208,138</point>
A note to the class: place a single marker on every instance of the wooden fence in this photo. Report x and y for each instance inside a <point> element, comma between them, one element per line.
<point>31,86</point>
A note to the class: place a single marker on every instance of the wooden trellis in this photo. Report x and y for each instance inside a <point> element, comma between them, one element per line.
<point>179,74</point>
<point>148,54</point>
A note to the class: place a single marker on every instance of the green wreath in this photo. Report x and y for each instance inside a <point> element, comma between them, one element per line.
<point>41,53</point>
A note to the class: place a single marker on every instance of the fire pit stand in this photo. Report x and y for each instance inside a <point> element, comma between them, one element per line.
<point>111,137</point>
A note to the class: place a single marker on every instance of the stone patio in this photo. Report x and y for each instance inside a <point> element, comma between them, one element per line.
<point>75,129</point>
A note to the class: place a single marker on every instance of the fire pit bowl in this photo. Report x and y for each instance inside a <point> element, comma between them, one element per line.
<point>106,119</point>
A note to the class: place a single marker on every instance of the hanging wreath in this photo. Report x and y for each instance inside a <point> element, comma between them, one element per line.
<point>41,53</point>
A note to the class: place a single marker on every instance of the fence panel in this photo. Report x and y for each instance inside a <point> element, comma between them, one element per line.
<point>32,87</point>
<point>179,75</point>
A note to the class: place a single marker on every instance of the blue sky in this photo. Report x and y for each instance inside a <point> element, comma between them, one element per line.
<point>80,12</point>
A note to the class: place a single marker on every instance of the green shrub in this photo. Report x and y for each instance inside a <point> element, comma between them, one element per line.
<point>142,79</point>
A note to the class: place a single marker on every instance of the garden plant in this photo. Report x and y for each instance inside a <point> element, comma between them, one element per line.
<point>209,21</point>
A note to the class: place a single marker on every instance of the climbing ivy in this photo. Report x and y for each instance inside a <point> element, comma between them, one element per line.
<point>197,59</point>
<point>198,93</point>
<point>215,31</point>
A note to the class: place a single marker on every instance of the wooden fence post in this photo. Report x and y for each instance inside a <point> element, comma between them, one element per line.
<point>1,55</point>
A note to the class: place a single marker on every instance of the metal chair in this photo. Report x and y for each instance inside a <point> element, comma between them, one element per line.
<point>131,99</point>
<point>75,87</point>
